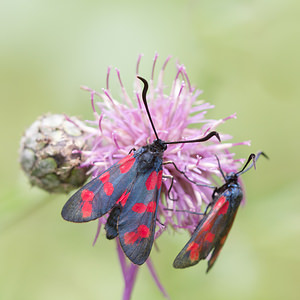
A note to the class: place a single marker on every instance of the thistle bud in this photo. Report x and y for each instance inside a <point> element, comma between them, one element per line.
<point>51,153</point>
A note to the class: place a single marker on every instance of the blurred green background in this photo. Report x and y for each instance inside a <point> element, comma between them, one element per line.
<point>243,54</point>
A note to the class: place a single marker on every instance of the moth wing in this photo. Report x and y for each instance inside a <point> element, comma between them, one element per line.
<point>219,244</point>
<point>99,195</point>
<point>205,237</point>
<point>136,226</point>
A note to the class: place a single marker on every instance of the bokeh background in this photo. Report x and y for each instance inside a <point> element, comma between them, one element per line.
<point>243,54</point>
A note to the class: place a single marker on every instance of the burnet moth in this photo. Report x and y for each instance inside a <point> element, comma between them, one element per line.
<point>129,191</point>
<point>212,231</point>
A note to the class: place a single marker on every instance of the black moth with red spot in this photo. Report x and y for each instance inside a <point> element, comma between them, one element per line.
<point>212,231</point>
<point>129,190</point>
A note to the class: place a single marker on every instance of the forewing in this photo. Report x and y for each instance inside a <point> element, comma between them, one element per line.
<point>137,221</point>
<point>220,243</point>
<point>206,235</point>
<point>98,196</point>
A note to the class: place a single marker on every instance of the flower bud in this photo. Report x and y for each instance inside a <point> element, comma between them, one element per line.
<point>51,153</point>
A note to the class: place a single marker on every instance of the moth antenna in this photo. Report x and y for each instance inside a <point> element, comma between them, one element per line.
<point>207,137</point>
<point>254,158</point>
<point>220,168</point>
<point>144,93</point>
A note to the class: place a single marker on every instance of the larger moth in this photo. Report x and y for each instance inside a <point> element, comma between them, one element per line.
<point>129,191</point>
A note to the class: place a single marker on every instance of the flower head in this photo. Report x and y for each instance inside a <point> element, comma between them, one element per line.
<point>177,114</point>
<point>50,153</point>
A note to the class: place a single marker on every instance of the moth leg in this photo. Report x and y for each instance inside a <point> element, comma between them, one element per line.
<point>162,229</point>
<point>171,185</point>
<point>187,211</point>
<point>214,195</point>
<point>163,225</point>
<point>133,149</point>
<point>183,173</point>
<point>207,207</point>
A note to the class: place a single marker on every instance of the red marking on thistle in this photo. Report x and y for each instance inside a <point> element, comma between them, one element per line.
<point>143,231</point>
<point>209,237</point>
<point>123,198</point>
<point>139,208</point>
<point>126,163</point>
<point>104,177</point>
<point>130,237</point>
<point>108,188</point>
<point>151,181</point>
<point>87,206</point>
<point>151,206</point>
<point>224,208</point>
<point>194,251</point>
<point>159,179</point>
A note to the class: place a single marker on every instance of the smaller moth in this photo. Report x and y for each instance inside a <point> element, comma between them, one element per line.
<point>212,231</point>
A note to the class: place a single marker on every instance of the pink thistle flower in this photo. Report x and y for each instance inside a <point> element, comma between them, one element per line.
<point>123,125</point>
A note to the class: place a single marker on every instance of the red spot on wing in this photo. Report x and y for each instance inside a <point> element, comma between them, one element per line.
<point>194,255</point>
<point>130,237</point>
<point>192,246</point>
<point>143,231</point>
<point>104,177</point>
<point>139,208</point>
<point>220,207</point>
<point>194,251</point>
<point>123,198</point>
<point>151,206</point>
<point>108,188</point>
<point>219,203</point>
<point>126,163</point>
<point>87,205</point>
<point>206,226</point>
<point>126,158</point>
<point>209,237</point>
<point>159,179</point>
<point>151,181</point>
<point>223,210</point>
